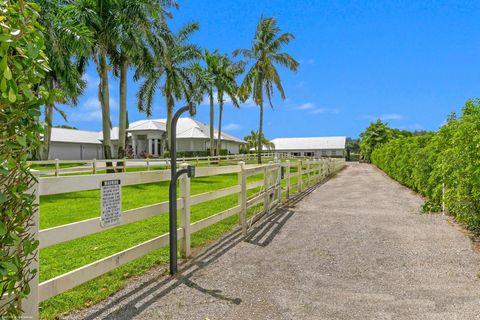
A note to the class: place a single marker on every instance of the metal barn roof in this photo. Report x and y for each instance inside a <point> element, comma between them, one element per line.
<point>73,135</point>
<point>310,143</point>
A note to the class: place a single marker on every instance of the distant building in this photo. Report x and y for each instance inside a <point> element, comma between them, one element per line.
<point>312,146</point>
<point>145,137</point>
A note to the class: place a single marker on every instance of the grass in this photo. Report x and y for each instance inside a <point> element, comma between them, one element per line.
<point>66,208</point>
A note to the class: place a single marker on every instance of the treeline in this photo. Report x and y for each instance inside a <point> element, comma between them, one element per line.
<point>446,159</point>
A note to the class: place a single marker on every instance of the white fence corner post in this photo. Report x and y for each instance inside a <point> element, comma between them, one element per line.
<point>242,197</point>
<point>287,178</point>
<point>300,174</point>
<point>57,167</point>
<point>148,164</point>
<point>94,166</point>
<point>185,213</point>
<point>30,304</point>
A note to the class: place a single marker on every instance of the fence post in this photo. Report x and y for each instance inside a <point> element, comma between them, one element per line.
<point>94,166</point>
<point>287,178</point>
<point>308,172</point>
<point>265,191</point>
<point>185,213</point>
<point>148,164</point>
<point>30,303</point>
<point>242,197</point>
<point>57,167</point>
<point>300,169</point>
<point>124,164</point>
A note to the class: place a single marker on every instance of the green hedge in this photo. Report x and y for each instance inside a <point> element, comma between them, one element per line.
<point>450,156</point>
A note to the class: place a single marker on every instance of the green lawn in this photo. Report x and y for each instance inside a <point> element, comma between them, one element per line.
<point>70,207</point>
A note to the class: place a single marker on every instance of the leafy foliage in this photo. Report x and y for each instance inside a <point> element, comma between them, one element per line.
<point>449,156</point>
<point>23,65</point>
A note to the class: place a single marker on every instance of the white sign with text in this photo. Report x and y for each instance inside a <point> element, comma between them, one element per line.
<point>111,202</point>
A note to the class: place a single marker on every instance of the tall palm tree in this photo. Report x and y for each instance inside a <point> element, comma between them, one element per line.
<point>99,17</point>
<point>173,75</point>
<point>67,42</point>
<point>227,85</point>
<point>135,34</point>
<point>212,61</point>
<point>263,76</point>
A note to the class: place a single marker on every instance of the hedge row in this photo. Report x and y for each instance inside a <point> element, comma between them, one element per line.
<point>450,156</point>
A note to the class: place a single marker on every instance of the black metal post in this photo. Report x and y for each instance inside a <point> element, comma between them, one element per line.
<point>172,197</point>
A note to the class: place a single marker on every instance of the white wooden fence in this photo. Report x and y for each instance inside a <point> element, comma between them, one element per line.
<point>270,196</point>
<point>95,165</point>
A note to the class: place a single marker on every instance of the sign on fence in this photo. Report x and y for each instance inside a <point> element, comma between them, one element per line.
<point>111,202</point>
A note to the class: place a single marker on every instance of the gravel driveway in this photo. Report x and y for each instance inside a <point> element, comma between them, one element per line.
<point>356,247</point>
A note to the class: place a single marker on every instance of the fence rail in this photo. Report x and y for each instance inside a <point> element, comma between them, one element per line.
<point>122,165</point>
<point>271,194</point>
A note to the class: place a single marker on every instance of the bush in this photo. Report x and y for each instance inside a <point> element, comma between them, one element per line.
<point>449,156</point>
<point>22,69</point>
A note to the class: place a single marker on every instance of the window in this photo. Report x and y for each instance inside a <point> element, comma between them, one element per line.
<point>308,154</point>
<point>324,152</point>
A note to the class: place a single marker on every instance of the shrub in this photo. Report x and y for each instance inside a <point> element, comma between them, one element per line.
<point>22,68</point>
<point>449,156</point>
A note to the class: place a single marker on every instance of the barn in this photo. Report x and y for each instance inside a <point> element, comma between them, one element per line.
<point>312,146</point>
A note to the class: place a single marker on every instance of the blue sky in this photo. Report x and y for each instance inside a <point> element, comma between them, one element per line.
<point>410,63</point>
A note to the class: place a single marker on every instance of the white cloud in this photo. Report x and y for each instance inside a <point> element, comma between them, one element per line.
<point>91,110</point>
<point>227,101</point>
<point>92,81</point>
<point>306,106</point>
<point>231,127</point>
<point>301,84</point>
<point>311,108</point>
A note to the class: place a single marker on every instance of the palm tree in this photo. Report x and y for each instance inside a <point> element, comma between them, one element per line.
<point>67,42</point>
<point>173,75</point>
<point>132,47</point>
<point>212,61</point>
<point>99,17</point>
<point>263,75</point>
<point>227,85</point>
<point>252,140</point>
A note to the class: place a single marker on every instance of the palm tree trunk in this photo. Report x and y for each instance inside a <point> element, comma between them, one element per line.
<point>104,97</point>
<point>260,135</point>
<point>48,131</point>
<point>212,127</point>
<point>170,106</point>
<point>122,122</point>
<point>219,142</point>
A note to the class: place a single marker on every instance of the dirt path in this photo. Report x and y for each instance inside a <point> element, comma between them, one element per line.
<point>354,248</point>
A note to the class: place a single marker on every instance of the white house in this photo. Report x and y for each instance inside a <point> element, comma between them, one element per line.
<point>144,137</point>
<point>312,146</point>
<point>149,136</point>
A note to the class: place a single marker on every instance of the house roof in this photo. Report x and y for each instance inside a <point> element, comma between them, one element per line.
<point>309,143</point>
<point>113,134</point>
<point>145,125</point>
<point>73,135</point>
<point>186,128</point>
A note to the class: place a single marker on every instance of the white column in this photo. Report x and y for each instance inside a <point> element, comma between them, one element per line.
<point>149,141</point>
<point>155,152</point>
<point>134,146</point>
